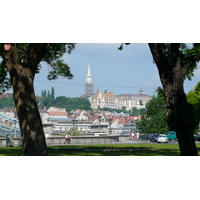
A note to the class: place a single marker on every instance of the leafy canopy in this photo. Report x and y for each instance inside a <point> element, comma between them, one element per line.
<point>153,120</point>
<point>193,97</point>
<point>52,58</point>
<point>189,54</point>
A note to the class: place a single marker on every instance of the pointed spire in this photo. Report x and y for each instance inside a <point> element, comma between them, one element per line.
<point>88,83</point>
<point>89,74</point>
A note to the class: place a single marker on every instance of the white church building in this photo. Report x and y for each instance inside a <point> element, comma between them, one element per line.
<point>110,100</point>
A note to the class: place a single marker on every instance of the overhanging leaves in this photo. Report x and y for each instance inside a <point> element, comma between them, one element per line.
<point>59,69</point>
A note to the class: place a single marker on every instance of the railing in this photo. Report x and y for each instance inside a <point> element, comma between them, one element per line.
<point>16,142</point>
<point>84,140</point>
<point>51,141</point>
<point>13,132</point>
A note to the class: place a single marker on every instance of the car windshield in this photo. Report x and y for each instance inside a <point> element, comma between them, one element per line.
<point>162,136</point>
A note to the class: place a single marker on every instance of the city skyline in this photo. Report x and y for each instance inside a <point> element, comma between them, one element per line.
<point>122,72</point>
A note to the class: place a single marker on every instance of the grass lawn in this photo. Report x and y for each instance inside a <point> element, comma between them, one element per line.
<point>105,150</point>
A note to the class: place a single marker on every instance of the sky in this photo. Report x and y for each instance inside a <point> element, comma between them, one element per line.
<point>121,72</point>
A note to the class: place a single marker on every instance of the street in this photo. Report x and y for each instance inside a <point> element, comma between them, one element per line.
<point>145,142</point>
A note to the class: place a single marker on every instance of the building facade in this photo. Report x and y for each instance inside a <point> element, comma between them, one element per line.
<point>109,100</point>
<point>130,101</point>
<point>103,99</point>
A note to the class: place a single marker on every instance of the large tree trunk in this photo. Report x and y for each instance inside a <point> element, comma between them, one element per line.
<point>180,117</point>
<point>22,77</point>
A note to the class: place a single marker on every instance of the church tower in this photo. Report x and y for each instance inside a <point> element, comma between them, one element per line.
<point>88,84</point>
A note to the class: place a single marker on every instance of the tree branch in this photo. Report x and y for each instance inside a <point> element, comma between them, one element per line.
<point>159,57</point>
<point>175,52</point>
<point>36,53</point>
<point>192,62</point>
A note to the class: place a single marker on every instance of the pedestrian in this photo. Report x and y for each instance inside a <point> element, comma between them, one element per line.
<point>68,138</point>
<point>47,137</point>
<point>133,135</point>
<point>130,135</point>
<point>137,135</point>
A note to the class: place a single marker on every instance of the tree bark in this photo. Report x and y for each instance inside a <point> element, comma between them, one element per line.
<point>22,77</point>
<point>180,117</point>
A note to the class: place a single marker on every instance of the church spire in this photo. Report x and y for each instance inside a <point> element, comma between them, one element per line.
<point>89,77</point>
<point>89,74</point>
<point>88,83</point>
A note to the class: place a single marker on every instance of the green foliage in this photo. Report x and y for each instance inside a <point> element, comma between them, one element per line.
<point>59,68</point>
<point>64,102</point>
<point>55,52</point>
<point>105,150</point>
<point>136,112</point>
<point>122,46</point>
<point>74,132</point>
<point>48,99</point>
<point>4,79</point>
<point>53,92</point>
<point>187,54</point>
<point>153,120</point>
<point>193,97</point>
<point>6,102</point>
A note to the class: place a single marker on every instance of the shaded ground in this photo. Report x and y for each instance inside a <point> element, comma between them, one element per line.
<point>117,150</point>
<point>105,150</point>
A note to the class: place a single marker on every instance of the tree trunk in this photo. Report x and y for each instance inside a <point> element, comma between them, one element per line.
<point>33,140</point>
<point>180,117</point>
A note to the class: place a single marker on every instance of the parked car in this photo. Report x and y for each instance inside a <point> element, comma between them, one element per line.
<point>154,138</point>
<point>143,137</point>
<point>162,138</point>
<point>197,138</point>
<point>149,135</point>
<point>171,135</point>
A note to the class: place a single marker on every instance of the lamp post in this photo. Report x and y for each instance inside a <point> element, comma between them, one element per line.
<point>110,122</point>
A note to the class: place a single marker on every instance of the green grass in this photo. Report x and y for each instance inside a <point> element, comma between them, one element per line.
<point>116,150</point>
<point>105,150</point>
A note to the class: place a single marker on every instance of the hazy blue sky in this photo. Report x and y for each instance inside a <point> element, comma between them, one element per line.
<point>122,72</point>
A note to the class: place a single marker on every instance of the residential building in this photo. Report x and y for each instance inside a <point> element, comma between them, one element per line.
<point>130,101</point>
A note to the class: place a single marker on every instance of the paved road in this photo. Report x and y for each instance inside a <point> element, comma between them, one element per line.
<point>144,142</point>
